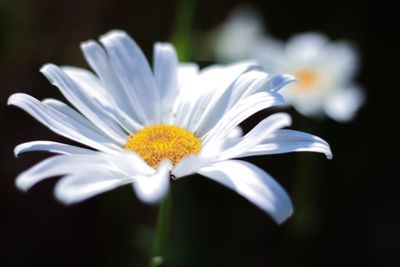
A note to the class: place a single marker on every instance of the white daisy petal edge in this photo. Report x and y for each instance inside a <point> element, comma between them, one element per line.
<point>252,183</point>
<point>77,187</point>
<point>55,166</point>
<point>123,109</point>
<point>50,146</point>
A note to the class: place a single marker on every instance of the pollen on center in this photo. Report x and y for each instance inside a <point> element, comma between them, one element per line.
<point>159,142</point>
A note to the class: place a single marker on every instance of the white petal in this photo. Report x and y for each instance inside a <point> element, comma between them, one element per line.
<point>241,111</point>
<point>235,133</point>
<point>232,138</point>
<point>88,82</point>
<point>130,164</point>
<point>100,63</point>
<point>277,82</point>
<point>260,132</point>
<point>84,101</point>
<point>133,70</point>
<point>86,184</point>
<point>165,72</point>
<point>91,84</point>
<point>222,100</point>
<point>205,91</point>
<point>62,124</point>
<point>149,184</point>
<point>187,73</point>
<point>284,141</point>
<point>60,107</point>
<point>343,105</point>
<point>254,184</point>
<point>190,164</point>
<point>50,146</point>
<point>151,189</point>
<point>58,165</point>
<point>247,84</point>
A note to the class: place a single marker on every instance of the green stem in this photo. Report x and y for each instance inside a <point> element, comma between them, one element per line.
<point>182,37</point>
<point>162,230</point>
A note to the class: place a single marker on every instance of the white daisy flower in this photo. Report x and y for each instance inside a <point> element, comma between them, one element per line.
<point>325,69</point>
<point>142,127</point>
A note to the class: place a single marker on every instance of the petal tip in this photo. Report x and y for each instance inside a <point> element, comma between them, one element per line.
<point>62,196</point>
<point>113,34</point>
<point>22,185</point>
<point>11,99</point>
<point>87,44</point>
<point>283,219</point>
<point>47,68</point>
<point>16,152</point>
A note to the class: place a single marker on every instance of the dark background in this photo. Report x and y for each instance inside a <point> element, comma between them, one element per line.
<point>354,198</point>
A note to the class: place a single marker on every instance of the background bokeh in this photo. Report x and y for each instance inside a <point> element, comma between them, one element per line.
<point>355,197</point>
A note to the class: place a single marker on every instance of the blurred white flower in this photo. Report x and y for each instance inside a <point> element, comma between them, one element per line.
<point>325,69</point>
<point>239,33</point>
<point>143,126</point>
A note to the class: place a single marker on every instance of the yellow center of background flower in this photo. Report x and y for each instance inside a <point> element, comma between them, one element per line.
<point>306,77</point>
<point>158,142</point>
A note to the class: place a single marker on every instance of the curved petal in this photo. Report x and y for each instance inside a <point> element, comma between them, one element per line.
<point>190,164</point>
<point>58,165</point>
<point>151,189</point>
<point>79,130</point>
<point>285,141</point>
<point>99,61</point>
<point>88,82</point>
<point>72,113</point>
<point>260,132</point>
<point>130,164</point>
<point>84,101</point>
<point>246,84</point>
<point>61,107</point>
<point>241,111</point>
<point>210,84</point>
<point>237,132</point>
<point>50,146</point>
<point>252,183</point>
<point>133,70</point>
<point>81,186</point>
<point>149,184</point>
<point>91,84</point>
<point>277,82</point>
<point>165,73</point>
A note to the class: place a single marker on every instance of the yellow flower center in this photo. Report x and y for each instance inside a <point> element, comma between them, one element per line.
<point>306,77</point>
<point>159,142</point>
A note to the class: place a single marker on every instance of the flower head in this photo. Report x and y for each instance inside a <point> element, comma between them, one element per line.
<point>143,126</point>
<point>325,69</point>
